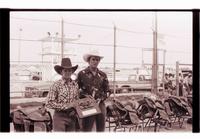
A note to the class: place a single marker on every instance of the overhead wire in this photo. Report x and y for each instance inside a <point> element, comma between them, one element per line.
<point>95,26</point>
<point>103,27</point>
<point>101,45</point>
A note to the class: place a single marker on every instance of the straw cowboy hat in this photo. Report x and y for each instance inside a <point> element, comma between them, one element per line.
<point>91,53</point>
<point>65,64</point>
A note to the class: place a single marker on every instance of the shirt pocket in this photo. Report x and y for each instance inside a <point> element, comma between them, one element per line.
<point>63,95</point>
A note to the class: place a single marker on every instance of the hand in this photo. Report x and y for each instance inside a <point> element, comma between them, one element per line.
<point>98,101</point>
<point>89,96</point>
<point>67,106</point>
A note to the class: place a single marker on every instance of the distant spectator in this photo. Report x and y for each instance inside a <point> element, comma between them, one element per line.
<point>180,78</point>
<point>186,85</point>
<point>166,80</point>
<point>171,85</point>
<point>190,83</point>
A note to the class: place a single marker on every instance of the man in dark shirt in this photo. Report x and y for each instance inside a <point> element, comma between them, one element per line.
<point>94,82</point>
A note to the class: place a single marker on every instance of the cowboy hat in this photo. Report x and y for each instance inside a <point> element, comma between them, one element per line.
<point>65,64</point>
<point>91,53</point>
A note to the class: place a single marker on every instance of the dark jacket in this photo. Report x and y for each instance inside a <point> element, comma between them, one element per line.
<point>94,85</point>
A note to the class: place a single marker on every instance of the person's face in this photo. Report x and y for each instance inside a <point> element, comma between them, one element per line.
<point>94,61</point>
<point>66,73</point>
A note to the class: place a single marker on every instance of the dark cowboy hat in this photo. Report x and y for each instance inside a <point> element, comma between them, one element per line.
<point>65,64</point>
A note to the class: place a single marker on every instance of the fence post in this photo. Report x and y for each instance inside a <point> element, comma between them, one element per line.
<point>177,78</point>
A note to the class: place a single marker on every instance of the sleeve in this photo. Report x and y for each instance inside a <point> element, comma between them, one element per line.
<point>80,84</point>
<point>79,79</point>
<point>106,87</point>
<point>51,101</point>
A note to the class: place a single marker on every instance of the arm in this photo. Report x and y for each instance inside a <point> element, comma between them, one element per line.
<point>52,99</point>
<point>106,87</point>
<point>80,85</point>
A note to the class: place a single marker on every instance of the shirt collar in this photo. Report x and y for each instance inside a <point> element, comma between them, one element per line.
<point>87,70</point>
<point>63,81</point>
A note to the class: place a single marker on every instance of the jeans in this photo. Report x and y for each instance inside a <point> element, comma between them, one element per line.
<point>88,122</point>
<point>64,121</point>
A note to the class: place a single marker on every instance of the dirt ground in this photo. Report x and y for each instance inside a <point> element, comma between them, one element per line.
<point>186,127</point>
<point>175,127</point>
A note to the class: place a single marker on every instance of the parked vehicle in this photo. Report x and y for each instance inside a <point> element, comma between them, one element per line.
<point>135,82</point>
<point>39,89</point>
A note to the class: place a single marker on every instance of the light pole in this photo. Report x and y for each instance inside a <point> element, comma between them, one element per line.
<point>155,58</point>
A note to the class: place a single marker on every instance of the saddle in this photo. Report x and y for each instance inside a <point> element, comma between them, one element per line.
<point>28,117</point>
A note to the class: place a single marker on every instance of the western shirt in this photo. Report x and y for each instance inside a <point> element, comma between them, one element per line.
<point>62,93</point>
<point>95,85</point>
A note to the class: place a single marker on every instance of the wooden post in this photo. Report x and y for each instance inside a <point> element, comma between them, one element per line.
<point>177,78</point>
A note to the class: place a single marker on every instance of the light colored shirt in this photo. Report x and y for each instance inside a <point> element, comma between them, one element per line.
<point>61,94</point>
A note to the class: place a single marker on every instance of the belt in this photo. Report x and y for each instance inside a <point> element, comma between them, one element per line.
<point>65,111</point>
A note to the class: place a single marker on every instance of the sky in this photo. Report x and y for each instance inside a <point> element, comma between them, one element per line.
<point>96,31</point>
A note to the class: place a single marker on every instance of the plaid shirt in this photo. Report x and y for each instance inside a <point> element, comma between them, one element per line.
<point>61,94</point>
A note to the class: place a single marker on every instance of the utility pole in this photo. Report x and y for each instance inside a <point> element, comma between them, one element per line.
<point>114,67</point>
<point>62,38</point>
<point>155,59</point>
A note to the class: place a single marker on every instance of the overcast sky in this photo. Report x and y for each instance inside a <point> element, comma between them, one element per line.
<point>134,32</point>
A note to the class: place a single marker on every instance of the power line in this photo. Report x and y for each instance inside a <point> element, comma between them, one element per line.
<point>79,62</point>
<point>33,19</point>
<point>109,45</point>
<point>57,21</point>
<point>150,33</point>
<point>92,44</point>
<point>174,36</point>
<point>178,52</point>
<point>97,26</point>
<point>94,26</point>
<point>135,32</point>
<point>25,40</point>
